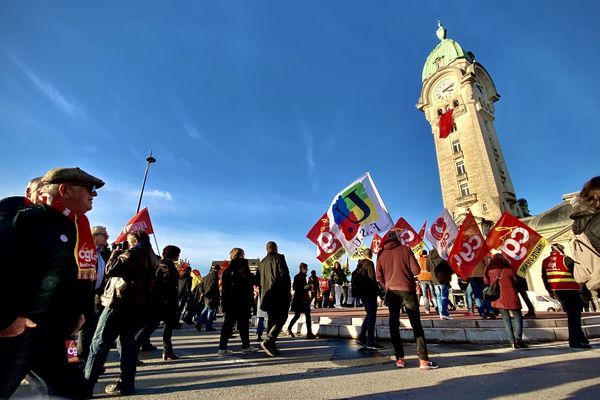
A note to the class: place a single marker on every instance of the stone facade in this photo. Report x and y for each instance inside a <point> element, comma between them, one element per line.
<point>473,172</point>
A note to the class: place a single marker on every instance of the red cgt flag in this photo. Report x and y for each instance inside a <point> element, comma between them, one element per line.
<point>329,248</point>
<point>468,249</point>
<point>517,241</point>
<point>139,221</point>
<point>376,244</point>
<point>446,124</point>
<point>422,231</point>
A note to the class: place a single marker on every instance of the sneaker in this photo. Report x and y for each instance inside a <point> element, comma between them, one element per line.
<point>118,389</point>
<point>361,342</point>
<point>400,363</point>
<point>374,346</point>
<point>446,317</point>
<point>269,348</point>
<point>259,338</point>
<point>428,364</point>
<point>290,333</point>
<point>519,344</point>
<point>427,311</point>
<point>310,336</point>
<point>249,349</point>
<point>224,352</point>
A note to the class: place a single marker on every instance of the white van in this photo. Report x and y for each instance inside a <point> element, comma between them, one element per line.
<point>541,302</point>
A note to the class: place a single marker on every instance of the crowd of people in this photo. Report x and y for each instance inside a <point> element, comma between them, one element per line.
<point>72,285</point>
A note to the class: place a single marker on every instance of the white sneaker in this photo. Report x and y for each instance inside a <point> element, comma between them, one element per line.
<point>445,317</point>
<point>225,352</point>
<point>426,311</point>
<point>249,349</point>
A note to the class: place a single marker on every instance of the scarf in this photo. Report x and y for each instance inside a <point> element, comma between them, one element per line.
<point>85,248</point>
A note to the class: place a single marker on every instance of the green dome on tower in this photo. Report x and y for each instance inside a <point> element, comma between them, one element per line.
<point>444,53</point>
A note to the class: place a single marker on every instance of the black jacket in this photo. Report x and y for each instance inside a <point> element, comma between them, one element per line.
<point>43,275</point>
<point>441,271</point>
<point>370,287</point>
<point>275,283</point>
<point>210,289</point>
<point>237,288</point>
<point>301,299</point>
<point>338,276</point>
<point>166,285</point>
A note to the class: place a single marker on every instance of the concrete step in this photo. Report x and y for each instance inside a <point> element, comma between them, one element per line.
<point>450,331</point>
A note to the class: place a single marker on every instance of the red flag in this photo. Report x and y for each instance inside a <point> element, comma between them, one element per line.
<point>446,124</point>
<point>517,241</point>
<point>329,249</point>
<point>405,232</point>
<point>139,221</point>
<point>468,249</point>
<point>376,244</point>
<point>422,230</point>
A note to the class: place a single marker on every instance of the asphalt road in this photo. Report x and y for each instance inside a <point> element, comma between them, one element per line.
<point>338,369</point>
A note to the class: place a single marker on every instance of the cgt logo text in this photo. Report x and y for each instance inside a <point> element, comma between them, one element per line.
<point>136,226</point>
<point>88,255</point>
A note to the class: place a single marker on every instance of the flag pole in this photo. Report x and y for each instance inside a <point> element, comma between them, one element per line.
<point>156,241</point>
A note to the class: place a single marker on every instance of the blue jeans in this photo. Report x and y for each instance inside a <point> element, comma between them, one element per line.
<point>441,292</point>
<point>477,286</point>
<point>114,323</point>
<point>367,330</point>
<point>469,297</point>
<point>426,288</point>
<point>206,317</point>
<point>514,330</point>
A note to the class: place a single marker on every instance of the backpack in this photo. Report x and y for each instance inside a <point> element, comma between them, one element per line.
<point>587,262</point>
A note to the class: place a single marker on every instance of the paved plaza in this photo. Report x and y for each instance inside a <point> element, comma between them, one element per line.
<point>338,369</point>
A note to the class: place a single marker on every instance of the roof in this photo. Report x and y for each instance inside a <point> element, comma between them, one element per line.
<point>443,54</point>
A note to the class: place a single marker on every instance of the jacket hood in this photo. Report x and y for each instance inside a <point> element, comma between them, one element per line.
<point>580,221</point>
<point>392,244</point>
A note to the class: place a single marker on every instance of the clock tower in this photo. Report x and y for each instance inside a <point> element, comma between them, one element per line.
<point>473,173</point>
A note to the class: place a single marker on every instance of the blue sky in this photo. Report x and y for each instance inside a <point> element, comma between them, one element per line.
<point>259,112</point>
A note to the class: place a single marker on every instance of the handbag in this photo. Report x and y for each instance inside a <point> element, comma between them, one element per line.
<point>492,292</point>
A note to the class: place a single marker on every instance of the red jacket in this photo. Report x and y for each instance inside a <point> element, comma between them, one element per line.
<point>556,274</point>
<point>499,268</point>
<point>397,267</point>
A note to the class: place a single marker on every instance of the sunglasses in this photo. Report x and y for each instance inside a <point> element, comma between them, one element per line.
<point>91,189</point>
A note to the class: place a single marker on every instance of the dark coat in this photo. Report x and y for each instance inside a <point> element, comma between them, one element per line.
<point>43,283</point>
<point>441,271</point>
<point>137,267</point>
<point>301,299</point>
<point>166,287</point>
<point>509,296</point>
<point>210,289</point>
<point>588,223</point>
<point>237,288</point>
<point>338,276</point>
<point>275,282</point>
<point>370,287</point>
<point>185,285</point>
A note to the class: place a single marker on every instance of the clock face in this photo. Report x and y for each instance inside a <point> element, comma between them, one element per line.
<point>445,89</point>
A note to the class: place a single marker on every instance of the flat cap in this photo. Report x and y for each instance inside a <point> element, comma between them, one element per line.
<point>71,175</point>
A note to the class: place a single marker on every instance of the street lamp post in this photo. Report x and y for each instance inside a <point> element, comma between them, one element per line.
<point>150,160</point>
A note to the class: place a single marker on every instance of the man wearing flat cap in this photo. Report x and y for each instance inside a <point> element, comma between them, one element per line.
<point>54,270</point>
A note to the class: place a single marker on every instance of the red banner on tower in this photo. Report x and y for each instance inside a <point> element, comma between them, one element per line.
<point>446,124</point>
<point>517,241</point>
<point>140,221</point>
<point>468,249</point>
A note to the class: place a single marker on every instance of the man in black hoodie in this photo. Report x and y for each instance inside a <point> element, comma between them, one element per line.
<point>210,289</point>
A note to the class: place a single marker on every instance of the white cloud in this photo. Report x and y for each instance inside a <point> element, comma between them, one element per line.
<point>68,105</point>
<point>310,160</point>
<point>159,194</point>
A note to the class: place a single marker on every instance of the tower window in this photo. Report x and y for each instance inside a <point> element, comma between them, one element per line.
<point>464,189</point>
<point>484,207</point>
<point>460,167</point>
<point>440,112</point>
<point>455,103</point>
<point>456,147</point>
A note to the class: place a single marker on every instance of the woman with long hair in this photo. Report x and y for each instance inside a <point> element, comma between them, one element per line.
<point>237,299</point>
